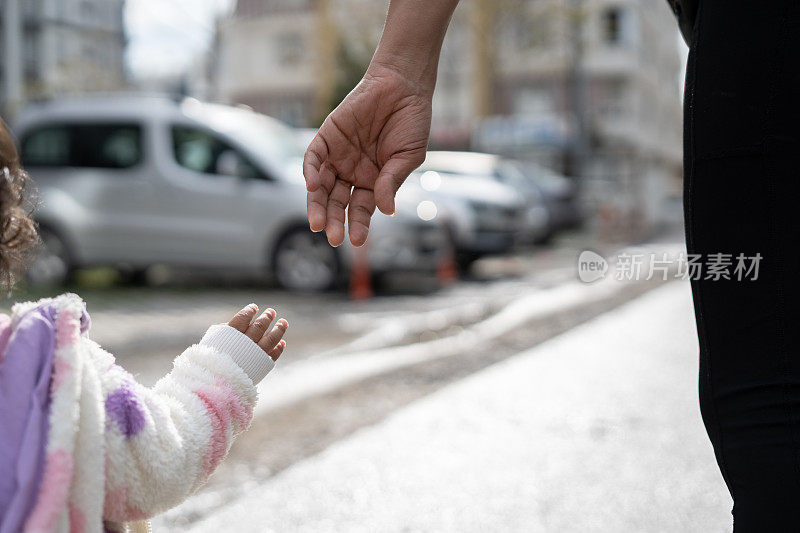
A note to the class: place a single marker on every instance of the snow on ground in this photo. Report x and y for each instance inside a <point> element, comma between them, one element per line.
<point>595,430</point>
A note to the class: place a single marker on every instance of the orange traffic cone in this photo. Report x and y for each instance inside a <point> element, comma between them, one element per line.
<point>360,275</point>
<point>446,270</point>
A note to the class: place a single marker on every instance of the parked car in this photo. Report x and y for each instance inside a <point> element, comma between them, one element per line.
<point>143,180</point>
<point>467,172</point>
<point>484,216</point>
<point>550,199</point>
<point>559,193</point>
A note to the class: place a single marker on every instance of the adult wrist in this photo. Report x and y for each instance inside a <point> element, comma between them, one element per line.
<point>417,72</point>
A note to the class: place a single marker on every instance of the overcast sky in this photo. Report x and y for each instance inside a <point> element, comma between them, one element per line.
<point>164,36</point>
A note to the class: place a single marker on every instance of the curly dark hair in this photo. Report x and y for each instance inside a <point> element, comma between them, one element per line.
<point>18,235</point>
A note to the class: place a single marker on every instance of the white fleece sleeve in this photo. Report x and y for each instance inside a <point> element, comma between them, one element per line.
<point>163,443</point>
<point>244,352</point>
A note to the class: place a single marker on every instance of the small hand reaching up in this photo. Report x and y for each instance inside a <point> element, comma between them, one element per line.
<point>269,340</point>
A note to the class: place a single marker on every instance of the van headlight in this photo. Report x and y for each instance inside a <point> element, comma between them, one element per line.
<point>430,180</point>
<point>426,210</point>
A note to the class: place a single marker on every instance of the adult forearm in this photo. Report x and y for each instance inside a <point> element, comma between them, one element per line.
<point>412,38</point>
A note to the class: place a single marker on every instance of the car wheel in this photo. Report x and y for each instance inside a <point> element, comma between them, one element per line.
<point>465,260</point>
<point>135,277</point>
<point>304,261</point>
<point>52,264</point>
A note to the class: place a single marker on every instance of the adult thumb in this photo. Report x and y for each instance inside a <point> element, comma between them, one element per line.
<point>391,177</point>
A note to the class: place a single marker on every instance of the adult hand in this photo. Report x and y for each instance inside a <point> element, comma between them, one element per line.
<point>364,151</point>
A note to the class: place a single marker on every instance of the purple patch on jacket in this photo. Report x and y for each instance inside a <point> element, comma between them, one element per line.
<point>124,408</point>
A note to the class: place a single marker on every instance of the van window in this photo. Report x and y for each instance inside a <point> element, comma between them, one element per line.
<point>83,145</point>
<point>202,151</point>
<point>47,147</point>
<point>108,146</point>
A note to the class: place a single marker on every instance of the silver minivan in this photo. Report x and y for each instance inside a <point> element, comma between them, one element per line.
<point>144,180</point>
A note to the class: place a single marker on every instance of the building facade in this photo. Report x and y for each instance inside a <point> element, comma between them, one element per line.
<point>67,46</point>
<point>588,87</point>
<point>265,58</point>
<point>284,57</point>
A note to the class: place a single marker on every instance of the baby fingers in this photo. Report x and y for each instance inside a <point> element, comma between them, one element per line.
<point>272,339</point>
<point>260,325</point>
<point>241,320</point>
<point>278,350</point>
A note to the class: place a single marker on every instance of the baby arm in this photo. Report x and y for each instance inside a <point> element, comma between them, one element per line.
<point>163,443</point>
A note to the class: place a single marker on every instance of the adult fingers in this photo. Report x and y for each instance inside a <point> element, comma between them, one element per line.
<point>278,350</point>
<point>359,214</point>
<point>317,201</point>
<point>317,207</point>
<point>391,177</point>
<point>337,202</point>
<point>315,155</point>
<point>241,320</point>
<point>271,339</point>
<point>260,325</point>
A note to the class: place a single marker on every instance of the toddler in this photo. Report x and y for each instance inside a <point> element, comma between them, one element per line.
<point>83,446</point>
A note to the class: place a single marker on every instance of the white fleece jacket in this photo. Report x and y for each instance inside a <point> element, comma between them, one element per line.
<point>121,452</point>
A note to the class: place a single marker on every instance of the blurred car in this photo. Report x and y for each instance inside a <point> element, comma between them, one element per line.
<point>483,216</point>
<point>143,180</point>
<point>464,175</point>
<point>550,199</point>
<point>559,193</point>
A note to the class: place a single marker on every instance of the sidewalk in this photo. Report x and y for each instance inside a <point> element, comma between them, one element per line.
<point>595,430</point>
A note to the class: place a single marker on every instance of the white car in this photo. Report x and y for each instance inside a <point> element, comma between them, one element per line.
<point>483,216</point>
<point>144,180</point>
<point>465,169</point>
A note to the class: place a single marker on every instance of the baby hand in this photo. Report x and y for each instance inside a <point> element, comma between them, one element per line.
<point>269,340</point>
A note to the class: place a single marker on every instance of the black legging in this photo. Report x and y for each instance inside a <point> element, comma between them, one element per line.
<point>742,195</point>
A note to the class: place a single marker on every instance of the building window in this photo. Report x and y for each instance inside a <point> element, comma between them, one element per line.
<point>87,11</point>
<point>523,31</point>
<point>612,25</point>
<point>290,48</point>
<point>533,101</point>
<point>613,100</point>
<point>30,50</point>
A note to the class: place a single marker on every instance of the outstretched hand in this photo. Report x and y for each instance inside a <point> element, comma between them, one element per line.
<point>364,151</point>
<point>269,340</point>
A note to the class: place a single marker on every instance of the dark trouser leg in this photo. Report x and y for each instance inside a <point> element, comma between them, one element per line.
<point>742,195</point>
